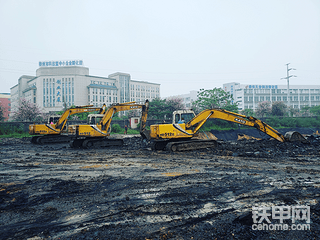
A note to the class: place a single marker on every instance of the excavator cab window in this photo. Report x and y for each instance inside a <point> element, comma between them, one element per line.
<point>186,117</point>
<point>177,118</point>
<point>53,119</point>
<point>94,119</point>
<point>183,117</point>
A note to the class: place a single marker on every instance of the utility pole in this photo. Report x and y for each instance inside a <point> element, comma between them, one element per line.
<point>288,77</point>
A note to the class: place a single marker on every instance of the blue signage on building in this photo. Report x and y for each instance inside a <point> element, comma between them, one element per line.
<point>60,63</point>
<point>264,86</point>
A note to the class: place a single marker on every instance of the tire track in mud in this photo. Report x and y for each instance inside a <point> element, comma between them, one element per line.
<point>136,194</point>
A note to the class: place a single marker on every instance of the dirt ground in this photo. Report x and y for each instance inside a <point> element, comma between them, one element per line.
<point>131,192</point>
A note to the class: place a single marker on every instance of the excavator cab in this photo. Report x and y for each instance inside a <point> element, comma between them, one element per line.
<point>94,119</point>
<point>53,119</point>
<point>182,116</point>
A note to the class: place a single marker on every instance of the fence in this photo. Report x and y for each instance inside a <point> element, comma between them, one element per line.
<point>24,126</point>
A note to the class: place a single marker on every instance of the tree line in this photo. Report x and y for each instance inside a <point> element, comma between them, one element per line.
<point>163,108</point>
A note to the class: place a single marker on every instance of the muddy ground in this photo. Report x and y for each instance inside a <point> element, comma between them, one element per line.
<point>131,192</point>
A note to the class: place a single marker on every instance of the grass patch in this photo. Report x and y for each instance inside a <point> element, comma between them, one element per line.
<point>15,135</point>
<point>116,129</point>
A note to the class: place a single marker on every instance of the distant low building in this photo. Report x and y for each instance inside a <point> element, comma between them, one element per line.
<point>65,83</point>
<point>248,96</point>
<point>5,103</point>
<point>187,99</point>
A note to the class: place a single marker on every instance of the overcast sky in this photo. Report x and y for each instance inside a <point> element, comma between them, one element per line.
<point>182,45</point>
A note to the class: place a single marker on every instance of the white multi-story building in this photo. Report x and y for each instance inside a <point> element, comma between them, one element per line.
<point>58,84</point>
<point>187,99</point>
<point>248,96</point>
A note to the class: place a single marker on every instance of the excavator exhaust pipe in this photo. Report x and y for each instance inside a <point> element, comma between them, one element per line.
<point>294,136</point>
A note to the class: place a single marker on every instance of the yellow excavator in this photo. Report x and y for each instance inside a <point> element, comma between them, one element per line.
<point>96,133</point>
<point>54,130</point>
<point>181,134</point>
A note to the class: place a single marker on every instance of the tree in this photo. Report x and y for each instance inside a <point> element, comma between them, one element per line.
<point>215,98</point>
<point>27,111</point>
<point>247,112</point>
<point>315,110</point>
<point>263,109</point>
<point>294,112</point>
<point>278,109</point>
<point>305,111</point>
<point>163,108</point>
<point>1,113</point>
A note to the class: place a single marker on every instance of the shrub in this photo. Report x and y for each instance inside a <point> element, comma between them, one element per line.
<point>116,128</point>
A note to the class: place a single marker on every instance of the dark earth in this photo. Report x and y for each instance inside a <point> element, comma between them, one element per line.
<point>132,192</point>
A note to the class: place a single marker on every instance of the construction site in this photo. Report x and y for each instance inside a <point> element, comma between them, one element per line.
<point>53,191</point>
<point>172,181</point>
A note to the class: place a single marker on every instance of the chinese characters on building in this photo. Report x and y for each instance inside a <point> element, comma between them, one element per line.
<point>60,63</point>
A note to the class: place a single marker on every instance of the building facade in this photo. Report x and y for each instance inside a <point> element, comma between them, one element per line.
<point>56,86</point>
<point>5,103</point>
<point>187,99</point>
<point>249,96</point>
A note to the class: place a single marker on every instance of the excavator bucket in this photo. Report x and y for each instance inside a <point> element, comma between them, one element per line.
<point>294,136</point>
<point>145,134</point>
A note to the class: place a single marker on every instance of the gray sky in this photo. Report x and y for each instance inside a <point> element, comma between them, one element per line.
<point>183,45</point>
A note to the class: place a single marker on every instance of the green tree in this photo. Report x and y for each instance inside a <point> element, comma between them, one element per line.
<point>264,109</point>
<point>315,110</point>
<point>294,112</point>
<point>28,111</point>
<point>215,98</point>
<point>247,112</point>
<point>1,113</point>
<point>305,111</point>
<point>163,108</point>
<point>278,109</point>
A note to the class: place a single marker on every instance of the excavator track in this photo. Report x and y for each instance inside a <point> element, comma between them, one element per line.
<point>190,145</point>
<point>95,142</point>
<point>180,146</point>
<point>50,139</point>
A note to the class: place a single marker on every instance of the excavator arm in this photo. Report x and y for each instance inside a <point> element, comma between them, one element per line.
<point>143,121</point>
<point>107,118</point>
<point>198,121</point>
<point>80,109</point>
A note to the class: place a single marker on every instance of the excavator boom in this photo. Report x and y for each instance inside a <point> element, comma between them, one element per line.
<point>202,117</point>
